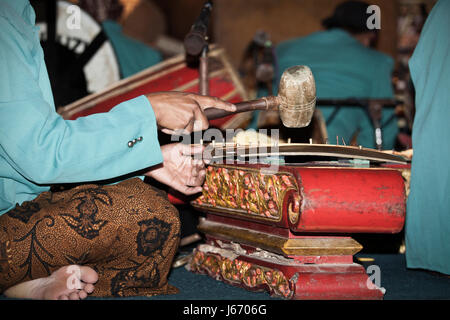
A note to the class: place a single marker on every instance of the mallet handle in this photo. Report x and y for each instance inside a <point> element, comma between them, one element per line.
<point>266,103</point>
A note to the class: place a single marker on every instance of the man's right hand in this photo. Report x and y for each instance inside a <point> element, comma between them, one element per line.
<point>180,110</point>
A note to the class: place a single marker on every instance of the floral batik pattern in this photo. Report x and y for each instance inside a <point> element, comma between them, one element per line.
<point>128,233</point>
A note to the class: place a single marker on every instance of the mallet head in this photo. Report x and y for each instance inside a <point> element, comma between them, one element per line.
<point>297,96</point>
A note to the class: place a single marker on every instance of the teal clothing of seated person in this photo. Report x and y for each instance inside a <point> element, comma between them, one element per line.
<point>427,228</point>
<point>132,55</point>
<point>345,66</point>
<point>39,148</point>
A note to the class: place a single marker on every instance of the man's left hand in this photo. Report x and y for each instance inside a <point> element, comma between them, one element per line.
<point>180,170</point>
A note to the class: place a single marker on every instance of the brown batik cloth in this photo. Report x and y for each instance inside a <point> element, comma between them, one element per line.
<point>128,233</point>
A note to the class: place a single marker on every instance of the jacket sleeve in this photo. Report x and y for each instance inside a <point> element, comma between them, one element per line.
<point>44,148</point>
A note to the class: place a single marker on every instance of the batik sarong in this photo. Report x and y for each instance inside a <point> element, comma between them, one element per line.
<point>128,233</point>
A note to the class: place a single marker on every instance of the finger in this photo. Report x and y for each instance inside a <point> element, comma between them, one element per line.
<point>214,102</point>
<point>207,154</point>
<point>192,190</point>
<point>199,164</point>
<point>167,131</point>
<point>201,176</point>
<point>189,126</point>
<point>197,179</point>
<point>74,296</point>
<point>186,189</point>
<point>89,288</point>
<point>83,294</point>
<point>196,171</point>
<point>200,120</point>
<point>190,149</point>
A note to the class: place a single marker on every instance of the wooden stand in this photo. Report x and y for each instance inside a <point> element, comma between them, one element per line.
<point>315,267</point>
<point>288,232</point>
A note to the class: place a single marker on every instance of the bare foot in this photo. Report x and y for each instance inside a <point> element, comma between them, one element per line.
<point>70,282</point>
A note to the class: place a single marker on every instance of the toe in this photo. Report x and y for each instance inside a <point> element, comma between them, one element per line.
<point>82,294</point>
<point>88,275</point>
<point>89,288</point>
<point>74,296</point>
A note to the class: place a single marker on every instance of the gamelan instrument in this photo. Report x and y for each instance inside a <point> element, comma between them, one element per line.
<point>173,74</point>
<point>286,227</point>
<point>278,218</point>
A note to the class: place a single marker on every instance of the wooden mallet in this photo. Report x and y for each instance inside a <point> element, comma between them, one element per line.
<point>295,101</point>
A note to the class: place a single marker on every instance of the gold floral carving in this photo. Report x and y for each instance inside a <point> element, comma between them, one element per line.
<point>241,273</point>
<point>246,191</point>
<point>294,208</point>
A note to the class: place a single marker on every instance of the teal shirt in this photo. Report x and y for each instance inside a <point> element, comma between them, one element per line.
<point>37,146</point>
<point>343,68</point>
<point>428,209</point>
<point>133,56</point>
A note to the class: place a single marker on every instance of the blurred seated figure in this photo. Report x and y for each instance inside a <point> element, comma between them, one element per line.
<point>87,54</point>
<point>132,54</point>
<point>345,65</point>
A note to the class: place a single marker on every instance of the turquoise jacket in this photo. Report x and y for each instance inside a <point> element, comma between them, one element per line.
<point>37,146</point>
<point>344,68</point>
<point>133,56</point>
<point>428,209</point>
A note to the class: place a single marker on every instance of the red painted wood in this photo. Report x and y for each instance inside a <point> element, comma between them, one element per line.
<point>335,286</point>
<point>219,87</point>
<point>334,201</point>
<point>337,200</point>
<point>351,200</point>
<point>325,281</point>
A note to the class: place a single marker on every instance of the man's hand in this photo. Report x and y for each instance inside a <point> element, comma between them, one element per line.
<point>180,110</point>
<point>180,170</point>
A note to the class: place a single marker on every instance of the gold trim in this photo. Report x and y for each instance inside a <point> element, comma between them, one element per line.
<point>314,246</point>
<point>293,215</point>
